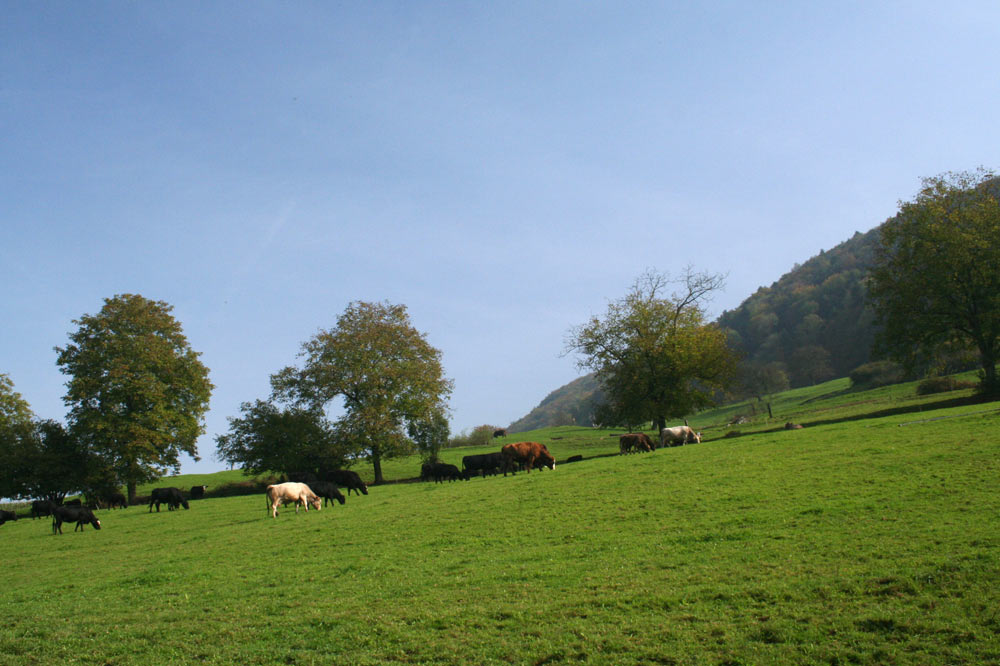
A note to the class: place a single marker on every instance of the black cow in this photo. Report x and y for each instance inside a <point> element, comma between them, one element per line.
<point>6,516</point>
<point>442,471</point>
<point>198,492</point>
<point>345,478</point>
<point>41,508</point>
<point>115,499</point>
<point>482,463</point>
<point>499,432</point>
<point>172,497</point>
<point>328,491</point>
<point>80,515</point>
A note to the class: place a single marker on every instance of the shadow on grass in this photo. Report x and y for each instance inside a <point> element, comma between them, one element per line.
<point>944,403</point>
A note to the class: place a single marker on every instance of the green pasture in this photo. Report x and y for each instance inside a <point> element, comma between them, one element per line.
<point>852,541</point>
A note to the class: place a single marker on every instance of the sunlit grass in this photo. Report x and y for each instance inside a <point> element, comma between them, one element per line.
<point>856,541</point>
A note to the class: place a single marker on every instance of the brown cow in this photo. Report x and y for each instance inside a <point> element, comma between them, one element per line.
<point>527,453</point>
<point>640,441</point>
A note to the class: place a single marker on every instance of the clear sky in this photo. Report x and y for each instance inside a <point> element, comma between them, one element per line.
<point>503,169</point>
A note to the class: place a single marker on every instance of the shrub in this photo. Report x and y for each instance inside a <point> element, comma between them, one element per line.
<point>942,384</point>
<point>480,436</point>
<point>877,373</point>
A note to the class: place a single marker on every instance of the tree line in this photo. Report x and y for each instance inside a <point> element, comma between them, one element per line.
<point>372,387</point>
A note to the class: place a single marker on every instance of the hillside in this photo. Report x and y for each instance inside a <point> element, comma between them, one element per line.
<point>869,537</point>
<point>812,322</point>
<point>571,404</point>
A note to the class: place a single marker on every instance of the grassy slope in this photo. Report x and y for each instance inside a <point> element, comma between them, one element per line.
<point>851,541</point>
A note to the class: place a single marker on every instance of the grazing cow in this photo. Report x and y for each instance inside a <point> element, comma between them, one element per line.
<point>291,491</point>
<point>443,471</point>
<point>345,478</point>
<point>499,432</point>
<point>7,516</point>
<point>793,426</point>
<point>640,441</point>
<point>198,492</point>
<point>41,508</point>
<point>680,434</point>
<point>80,515</point>
<point>116,499</point>
<point>328,491</point>
<point>482,463</point>
<point>172,497</point>
<point>528,453</point>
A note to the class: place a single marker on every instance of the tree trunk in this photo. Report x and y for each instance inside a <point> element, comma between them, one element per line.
<point>661,423</point>
<point>377,464</point>
<point>131,492</point>
<point>988,359</point>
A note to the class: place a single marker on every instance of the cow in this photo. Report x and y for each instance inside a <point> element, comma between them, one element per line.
<point>680,434</point>
<point>6,516</point>
<point>198,492</point>
<point>482,463</point>
<point>345,478</point>
<point>109,499</point>
<point>41,508</point>
<point>328,491</point>
<point>528,453</point>
<point>499,432</point>
<point>291,491</point>
<point>80,515</point>
<point>640,441</point>
<point>793,426</point>
<point>172,497</point>
<point>73,502</point>
<point>444,471</point>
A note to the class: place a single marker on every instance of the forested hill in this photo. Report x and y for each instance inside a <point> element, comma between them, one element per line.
<point>813,320</point>
<point>812,324</point>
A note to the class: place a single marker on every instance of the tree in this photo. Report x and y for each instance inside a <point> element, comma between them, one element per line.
<point>654,355</point>
<point>137,392</point>
<point>936,278</point>
<point>378,370</point>
<point>16,428</point>
<point>430,434</point>
<point>295,441</point>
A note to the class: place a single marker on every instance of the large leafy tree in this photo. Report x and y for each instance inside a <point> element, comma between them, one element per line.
<point>654,353</point>
<point>137,392</point>
<point>936,279</point>
<point>16,428</point>
<point>378,372</point>
<point>297,441</point>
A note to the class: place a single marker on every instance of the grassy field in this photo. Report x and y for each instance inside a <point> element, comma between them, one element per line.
<point>857,540</point>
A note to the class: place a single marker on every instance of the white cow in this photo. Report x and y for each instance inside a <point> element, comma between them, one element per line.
<point>682,434</point>
<point>299,493</point>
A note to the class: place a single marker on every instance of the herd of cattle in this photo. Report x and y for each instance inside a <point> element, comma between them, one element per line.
<point>309,490</point>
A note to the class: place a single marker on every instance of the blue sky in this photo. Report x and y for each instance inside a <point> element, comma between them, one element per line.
<point>502,169</point>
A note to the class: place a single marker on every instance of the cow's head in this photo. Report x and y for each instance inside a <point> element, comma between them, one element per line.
<point>185,504</point>
<point>364,488</point>
<point>697,437</point>
<point>316,501</point>
<point>340,497</point>
<point>96,523</point>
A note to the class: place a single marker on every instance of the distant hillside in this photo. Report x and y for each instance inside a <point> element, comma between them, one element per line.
<point>812,322</point>
<point>572,404</point>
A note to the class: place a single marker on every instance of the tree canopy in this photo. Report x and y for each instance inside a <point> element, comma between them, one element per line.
<point>137,392</point>
<point>297,441</point>
<point>654,354</point>
<point>936,279</point>
<point>378,371</point>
